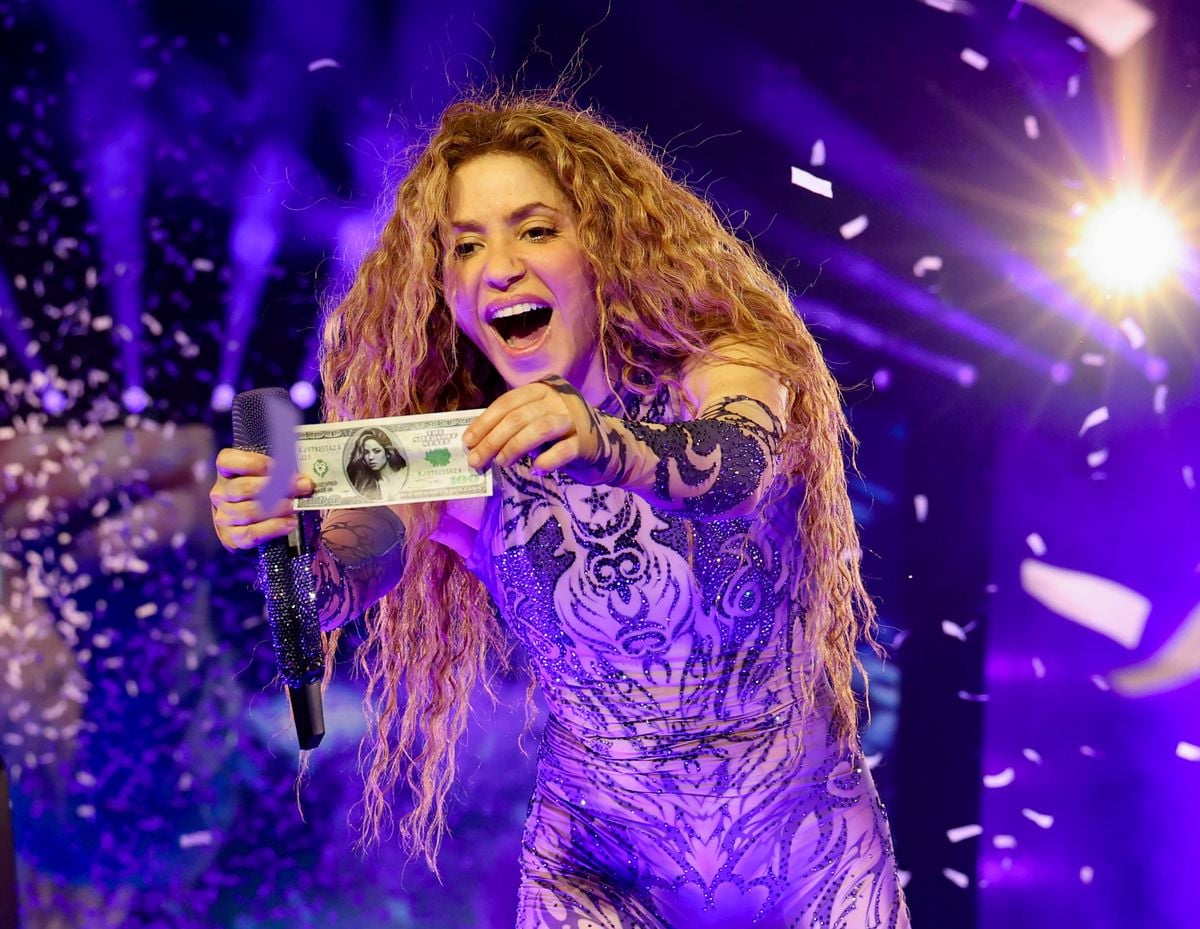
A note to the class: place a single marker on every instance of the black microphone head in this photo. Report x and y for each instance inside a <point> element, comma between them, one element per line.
<point>251,422</point>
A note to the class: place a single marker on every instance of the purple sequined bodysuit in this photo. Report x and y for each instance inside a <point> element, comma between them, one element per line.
<point>679,782</point>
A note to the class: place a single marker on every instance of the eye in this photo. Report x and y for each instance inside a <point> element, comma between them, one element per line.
<point>464,249</point>
<point>540,233</point>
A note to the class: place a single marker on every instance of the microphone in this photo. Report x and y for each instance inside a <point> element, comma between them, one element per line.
<point>285,575</point>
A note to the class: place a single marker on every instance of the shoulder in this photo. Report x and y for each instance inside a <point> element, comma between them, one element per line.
<point>732,368</point>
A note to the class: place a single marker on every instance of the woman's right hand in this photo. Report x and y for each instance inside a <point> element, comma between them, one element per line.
<point>238,515</point>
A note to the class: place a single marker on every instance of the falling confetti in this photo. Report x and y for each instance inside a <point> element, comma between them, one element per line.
<point>962,833</point>
<point>817,158</point>
<point>321,63</point>
<point>1032,129</point>
<point>854,227</point>
<point>1100,604</point>
<point>811,182</point>
<point>1187,751</point>
<point>975,59</point>
<point>956,877</point>
<point>927,263</point>
<point>1041,820</point>
<point>921,507</point>
<point>1036,544</point>
<point>1133,332</point>
<point>1093,419</point>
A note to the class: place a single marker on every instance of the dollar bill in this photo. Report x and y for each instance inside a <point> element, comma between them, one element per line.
<point>400,459</point>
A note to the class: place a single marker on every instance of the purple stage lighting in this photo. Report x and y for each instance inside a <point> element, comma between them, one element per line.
<point>822,316</point>
<point>253,244</point>
<point>303,394</point>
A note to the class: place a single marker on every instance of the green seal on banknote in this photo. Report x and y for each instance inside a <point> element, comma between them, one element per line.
<point>438,457</point>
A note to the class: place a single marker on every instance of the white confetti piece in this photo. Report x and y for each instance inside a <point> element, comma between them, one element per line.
<point>976,60</point>
<point>1189,477</point>
<point>1032,755</point>
<point>1101,683</point>
<point>1088,752</point>
<point>961,833</point>
<point>854,227</point>
<point>1086,874</point>
<point>1187,751</point>
<point>817,158</point>
<point>947,6</point>
<point>956,877</point>
<point>146,610</point>
<point>972,698</point>
<point>1036,544</point>
<point>873,760</point>
<point>1094,418</point>
<point>1077,43</point>
<point>1160,399</point>
<point>1032,129</point>
<point>321,63</point>
<point>85,811</point>
<point>927,263</point>
<point>1039,668</point>
<point>1100,604</point>
<point>1097,458</point>
<point>810,182</point>
<point>1133,332</point>
<point>102,323</point>
<point>921,507</point>
<point>1004,841</point>
<point>1114,26</point>
<point>1093,359</point>
<point>1073,85</point>
<point>954,630</point>
<point>1042,820</point>
<point>196,839</point>
<point>85,778</point>
<point>202,264</point>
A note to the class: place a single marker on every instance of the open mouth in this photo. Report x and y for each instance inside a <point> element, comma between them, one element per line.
<point>522,325</point>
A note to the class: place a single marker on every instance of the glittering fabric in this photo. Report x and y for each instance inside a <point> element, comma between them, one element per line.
<point>680,784</point>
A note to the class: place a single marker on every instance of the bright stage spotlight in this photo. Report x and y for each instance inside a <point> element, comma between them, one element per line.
<point>1130,245</point>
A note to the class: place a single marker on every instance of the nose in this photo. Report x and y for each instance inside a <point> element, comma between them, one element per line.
<point>504,267</point>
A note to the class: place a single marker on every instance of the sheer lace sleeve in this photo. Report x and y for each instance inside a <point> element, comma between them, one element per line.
<point>359,557</point>
<point>718,465</point>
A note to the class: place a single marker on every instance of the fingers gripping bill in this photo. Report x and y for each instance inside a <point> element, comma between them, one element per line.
<point>399,459</point>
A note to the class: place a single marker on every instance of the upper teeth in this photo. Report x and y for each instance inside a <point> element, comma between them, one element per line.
<point>517,308</point>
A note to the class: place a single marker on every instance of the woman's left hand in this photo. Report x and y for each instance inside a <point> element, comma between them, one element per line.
<point>548,418</point>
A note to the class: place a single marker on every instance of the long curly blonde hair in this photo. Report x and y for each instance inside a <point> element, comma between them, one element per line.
<point>670,281</point>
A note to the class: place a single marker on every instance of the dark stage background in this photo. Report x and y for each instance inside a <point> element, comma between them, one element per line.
<point>181,183</point>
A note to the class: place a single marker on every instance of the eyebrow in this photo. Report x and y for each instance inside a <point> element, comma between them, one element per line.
<point>516,216</point>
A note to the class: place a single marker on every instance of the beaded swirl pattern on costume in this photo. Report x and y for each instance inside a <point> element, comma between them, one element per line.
<point>680,783</point>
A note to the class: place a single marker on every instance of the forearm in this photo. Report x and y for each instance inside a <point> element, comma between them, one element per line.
<point>718,465</point>
<point>358,558</point>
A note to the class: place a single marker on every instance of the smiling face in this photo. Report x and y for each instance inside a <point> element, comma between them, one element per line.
<point>515,276</point>
<point>374,455</point>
